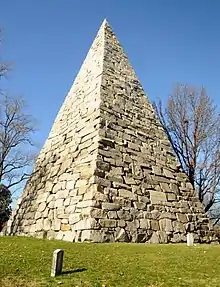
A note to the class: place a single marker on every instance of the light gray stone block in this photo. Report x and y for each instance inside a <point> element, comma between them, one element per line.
<point>190,239</point>
<point>157,197</point>
<point>57,262</point>
<point>110,206</point>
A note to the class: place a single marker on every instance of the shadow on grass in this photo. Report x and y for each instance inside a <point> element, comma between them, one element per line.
<point>73,271</point>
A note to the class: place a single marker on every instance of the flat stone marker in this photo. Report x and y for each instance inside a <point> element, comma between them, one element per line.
<point>190,239</point>
<point>57,262</point>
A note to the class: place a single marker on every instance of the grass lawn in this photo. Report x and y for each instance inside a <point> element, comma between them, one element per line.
<point>27,262</point>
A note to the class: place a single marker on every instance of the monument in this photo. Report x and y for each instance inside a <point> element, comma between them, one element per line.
<point>107,171</point>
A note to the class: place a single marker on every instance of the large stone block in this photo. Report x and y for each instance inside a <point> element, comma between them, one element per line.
<point>46,224</point>
<point>110,206</point>
<point>57,224</point>
<point>42,206</point>
<point>84,224</point>
<point>69,236</point>
<point>74,218</point>
<point>145,223</point>
<point>39,224</point>
<point>166,225</point>
<point>59,202</point>
<point>157,197</point>
<point>122,236</point>
<point>108,223</point>
<point>65,227</point>
<point>182,217</point>
<point>42,197</point>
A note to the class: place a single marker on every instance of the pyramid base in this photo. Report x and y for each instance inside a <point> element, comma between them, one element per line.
<point>120,235</point>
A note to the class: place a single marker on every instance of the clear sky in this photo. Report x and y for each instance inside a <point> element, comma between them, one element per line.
<point>167,41</point>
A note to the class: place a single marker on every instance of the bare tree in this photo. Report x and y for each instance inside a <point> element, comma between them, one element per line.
<point>192,125</point>
<point>16,129</point>
<point>4,67</point>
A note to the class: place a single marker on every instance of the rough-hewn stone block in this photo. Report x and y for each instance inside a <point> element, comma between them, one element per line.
<point>157,197</point>
<point>106,223</point>
<point>110,206</point>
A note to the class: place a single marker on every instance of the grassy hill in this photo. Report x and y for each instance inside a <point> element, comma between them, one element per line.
<point>27,262</point>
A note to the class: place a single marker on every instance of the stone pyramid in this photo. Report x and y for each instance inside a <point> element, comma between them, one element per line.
<point>107,171</point>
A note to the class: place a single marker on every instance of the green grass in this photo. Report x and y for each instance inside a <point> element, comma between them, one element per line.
<point>27,262</point>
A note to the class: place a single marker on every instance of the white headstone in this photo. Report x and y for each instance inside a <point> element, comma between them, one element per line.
<point>57,262</point>
<point>190,239</point>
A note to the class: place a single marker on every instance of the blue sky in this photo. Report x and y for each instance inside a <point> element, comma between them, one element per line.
<point>167,41</point>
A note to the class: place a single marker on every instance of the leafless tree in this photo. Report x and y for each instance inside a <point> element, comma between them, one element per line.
<point>192,125</point>
<point>4,67</point>
<point>16,129</point>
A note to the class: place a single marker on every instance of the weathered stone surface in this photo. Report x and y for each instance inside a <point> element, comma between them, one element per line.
<point>70,185</point>
<point>89,223</point>
<point>154,224</point>
<point>51,204</point>
<point>127,194</point>
<point>166,225</point>
<point>182,217</point>
<point>57,224</point>
<point>190,239</point>
<point>122,236</point>
<point>162,237</point>
<point>179,227</point>
<point>49,186</point>
<point>112,215</point>
<point>65,227</point>
<point>171,196</point>
<point>97,213</point>
<point>74,218</point>
<point>107,171</point>
<point>60,235</point>
<point>155,214</point>
<point>121,223</point>
<point>87,203</point>
<point>132,226</point>
<point>62,194</point>
<point>108,223</point>
<point>42,206</point>
<point>39,224</point>
<point>93,235</point>
<point>57,262</point>
<point>110,206</point>
<point>46,224</point>
<point>157,197</point>
<point>69,236</point>
<point>145,223</point>
<point>66,201</point>
<point>154,238</point>
<point>62,215</point>
<point>42,197</point>
<point>70,209</point>
<point>140,205</point>
<point>124,214</point>
<point>51,234</point>
<point>129,180</point>
<point>59,202</point>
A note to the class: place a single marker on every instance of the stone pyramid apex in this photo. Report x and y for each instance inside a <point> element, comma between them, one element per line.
<point>104,23</point>
<point>107,171</point>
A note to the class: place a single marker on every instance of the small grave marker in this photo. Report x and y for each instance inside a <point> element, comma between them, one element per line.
<point>57,262</point>
<point>190,239</point>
